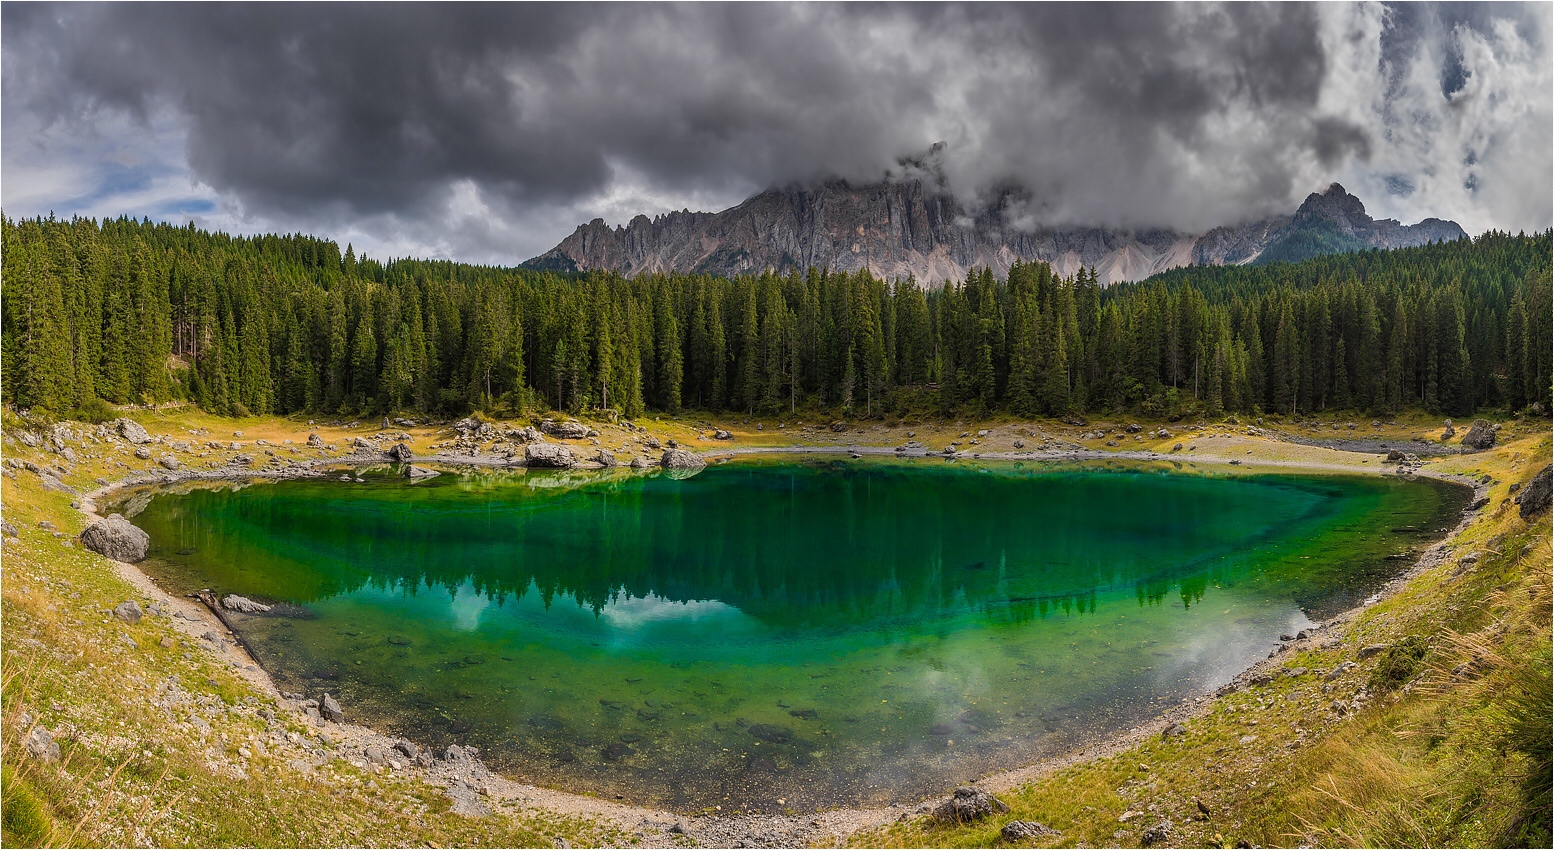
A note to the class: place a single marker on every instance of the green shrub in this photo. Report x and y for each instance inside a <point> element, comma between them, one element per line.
<point>1400,663</point>
<point>96,412</point>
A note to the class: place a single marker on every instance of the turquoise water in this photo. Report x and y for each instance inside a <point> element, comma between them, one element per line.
<point>780,633</point>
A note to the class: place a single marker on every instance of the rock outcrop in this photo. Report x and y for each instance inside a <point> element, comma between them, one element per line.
<point>115,537</point>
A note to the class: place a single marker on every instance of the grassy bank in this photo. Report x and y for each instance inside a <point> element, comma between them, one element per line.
<point>164,741</point>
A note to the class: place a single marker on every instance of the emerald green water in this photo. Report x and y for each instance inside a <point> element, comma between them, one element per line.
<point>815,633</point>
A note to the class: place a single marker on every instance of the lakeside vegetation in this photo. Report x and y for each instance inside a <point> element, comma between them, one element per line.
<point>136,312</point>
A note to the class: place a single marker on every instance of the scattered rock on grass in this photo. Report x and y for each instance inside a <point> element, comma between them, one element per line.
<point>1025,830</point>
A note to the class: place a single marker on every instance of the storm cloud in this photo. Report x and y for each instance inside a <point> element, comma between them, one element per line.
<point>486,132</point>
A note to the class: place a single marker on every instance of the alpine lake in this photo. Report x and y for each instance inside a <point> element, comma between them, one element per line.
<point>780,632</point>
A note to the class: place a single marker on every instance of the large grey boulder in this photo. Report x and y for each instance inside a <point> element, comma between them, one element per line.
<point>568,430</point>
<point>315,441</point>
<point>549,456</point>
<point>605,458</point>
<point>681,459</point>
<point>414,471</point>
<point>1535,496</point>
<point>115,537</point>
<point>1480,437</point>
<point>130,430</point>
<point>401,453</point>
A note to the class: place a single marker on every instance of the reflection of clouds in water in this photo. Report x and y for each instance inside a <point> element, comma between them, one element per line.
<point>466,606</point>
<point>1209,656</point>
<point>633,612</point>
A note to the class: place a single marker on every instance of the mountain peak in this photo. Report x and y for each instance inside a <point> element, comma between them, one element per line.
<point>910,225</point>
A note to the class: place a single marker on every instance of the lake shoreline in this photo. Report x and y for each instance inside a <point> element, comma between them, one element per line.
<point>658,826</point>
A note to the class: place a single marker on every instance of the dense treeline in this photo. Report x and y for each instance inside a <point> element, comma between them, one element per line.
<point>127,311</point>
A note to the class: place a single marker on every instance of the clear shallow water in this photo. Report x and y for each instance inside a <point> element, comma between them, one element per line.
<point>816,633</point>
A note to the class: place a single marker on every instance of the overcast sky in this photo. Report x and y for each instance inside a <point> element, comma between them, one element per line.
<point>487,132</point>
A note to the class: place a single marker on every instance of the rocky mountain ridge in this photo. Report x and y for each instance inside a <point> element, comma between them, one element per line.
<point>911,226</point>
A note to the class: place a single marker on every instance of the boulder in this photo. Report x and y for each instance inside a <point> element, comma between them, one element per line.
<point>1133,428</point>
<point>1480,437</point>
<point>568,430</point>
<point>116,538</point>
<point>143,453</point>
<point>128,612</point>
<point>242,604</point>
<point>7,529</point>
<point>721,434</point>
<point>360,443</point>
<point>1025,830</point>
<point>130,430</point>
<point>1535,496</point>
<point>605,458</point>
<point>401,453</point>
<point>420,472</point>
<point>681,459</point>
<point>640,462</point>
<point>330,709</point>
<point>549,456</point>
<point>466,425</point>
<point>315,441</point>
<point>968,804</point>
<point>169,462</point>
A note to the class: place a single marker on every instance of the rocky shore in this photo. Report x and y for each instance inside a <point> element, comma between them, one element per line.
<point>475,791</point>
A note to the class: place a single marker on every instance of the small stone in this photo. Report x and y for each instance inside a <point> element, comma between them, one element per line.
<point>1025,830</point>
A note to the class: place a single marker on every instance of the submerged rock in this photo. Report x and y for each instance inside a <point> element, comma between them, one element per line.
<point>414,471</point>
<point>115,537</point>
<point>243,605</point>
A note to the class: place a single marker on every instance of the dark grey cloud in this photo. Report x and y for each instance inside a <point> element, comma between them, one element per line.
<point>487,131</point>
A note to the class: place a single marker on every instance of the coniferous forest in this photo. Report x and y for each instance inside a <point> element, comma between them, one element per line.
<point>133,311</point>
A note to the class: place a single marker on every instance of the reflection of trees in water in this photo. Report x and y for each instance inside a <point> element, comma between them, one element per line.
<point>795,546</point>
